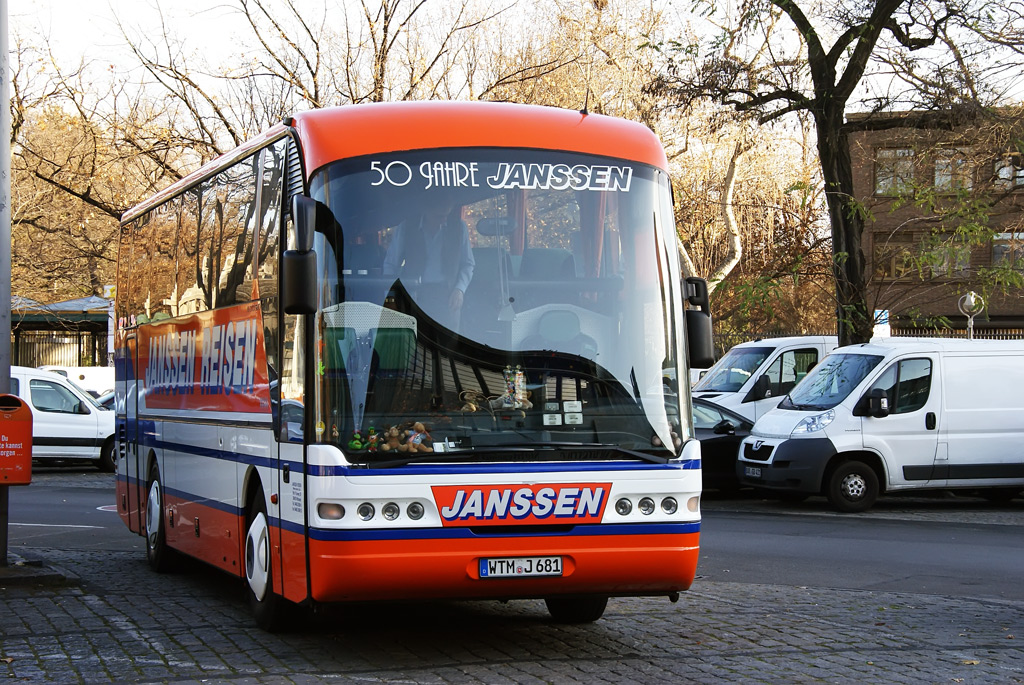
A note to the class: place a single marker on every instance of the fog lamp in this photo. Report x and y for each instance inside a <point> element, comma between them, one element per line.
<point>331,511</point>
<point>415,511</point>
<point>390,511</point>
<point>669,505</point>
<point>365,511</point>
<point>623,507</point>
<point>646,506</point>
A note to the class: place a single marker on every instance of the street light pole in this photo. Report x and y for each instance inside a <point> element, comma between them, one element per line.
<point>5,244</point>
<point>970,305</point>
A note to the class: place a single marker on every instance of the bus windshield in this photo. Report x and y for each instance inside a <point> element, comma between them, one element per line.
<point>496,299</point>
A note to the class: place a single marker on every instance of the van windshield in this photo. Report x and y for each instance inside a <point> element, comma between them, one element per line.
<point>831,381</point>
<point>733,370</point>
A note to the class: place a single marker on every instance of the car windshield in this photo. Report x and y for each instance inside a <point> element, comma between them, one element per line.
<point>831,381</point>
<point>733,370</point>
<point>498,297</point>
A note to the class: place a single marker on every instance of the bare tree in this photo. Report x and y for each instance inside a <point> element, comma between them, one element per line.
<point>772,58</point>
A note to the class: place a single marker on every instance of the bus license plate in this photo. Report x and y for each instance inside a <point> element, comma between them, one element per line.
<point>752,471</point>
<point>520,567</point>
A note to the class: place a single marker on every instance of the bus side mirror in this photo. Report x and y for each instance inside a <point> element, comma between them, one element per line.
<point>298,266</point>
<point>878,403</point>
<point>699,344</point>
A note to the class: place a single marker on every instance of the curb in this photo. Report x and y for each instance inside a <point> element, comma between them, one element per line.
<point>31,571</point>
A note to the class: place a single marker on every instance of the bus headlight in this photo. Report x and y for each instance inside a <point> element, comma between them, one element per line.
<point>365,511</point>
<point>415,511</point>
<point>669,505</point>
<point>646,506</point>
<point>623,507</point>
<point>390,511</point>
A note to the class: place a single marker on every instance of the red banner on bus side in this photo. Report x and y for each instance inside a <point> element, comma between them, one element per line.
<point>208,361</point>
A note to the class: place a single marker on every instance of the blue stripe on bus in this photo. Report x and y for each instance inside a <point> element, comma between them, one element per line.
<point>517,467</point>
<point>422,469</point>
<point>326,535</point>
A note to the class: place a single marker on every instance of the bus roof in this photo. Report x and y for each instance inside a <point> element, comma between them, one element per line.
<point>356,130</point>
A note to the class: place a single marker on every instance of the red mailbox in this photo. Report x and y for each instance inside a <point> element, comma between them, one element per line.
<point>15,441</point>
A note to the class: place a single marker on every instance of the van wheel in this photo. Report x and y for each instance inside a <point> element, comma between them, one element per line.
<point>161,558</point>
<point>268,608</point>
<point>576,609</point>
<point>1000,495</point>
<point>853,487</point>
<point>106,461</point>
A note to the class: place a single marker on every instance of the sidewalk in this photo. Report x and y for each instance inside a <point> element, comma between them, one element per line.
<point>32,570</point>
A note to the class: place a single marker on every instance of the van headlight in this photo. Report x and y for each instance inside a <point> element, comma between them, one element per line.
<point>813,424</point>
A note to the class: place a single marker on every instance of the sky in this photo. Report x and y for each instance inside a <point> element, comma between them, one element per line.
<point>88,28</point>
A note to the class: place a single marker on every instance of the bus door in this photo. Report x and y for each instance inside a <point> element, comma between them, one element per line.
<point>131,481</point>
<point>289,523</point>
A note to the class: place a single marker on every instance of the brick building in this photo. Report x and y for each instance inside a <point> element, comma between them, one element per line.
<point>945,210</point>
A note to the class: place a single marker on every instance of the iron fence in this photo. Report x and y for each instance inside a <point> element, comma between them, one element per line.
<point>59,348</point>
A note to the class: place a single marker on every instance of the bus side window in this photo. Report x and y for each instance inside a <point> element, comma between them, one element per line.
<point>189,292</point>
<point>235,231</point>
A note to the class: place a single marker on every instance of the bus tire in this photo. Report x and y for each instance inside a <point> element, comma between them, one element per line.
<point>852,487</point>
<point>161,558</point>
<point>576,609</point>
<point>268,608</point>
<point>106,461</point>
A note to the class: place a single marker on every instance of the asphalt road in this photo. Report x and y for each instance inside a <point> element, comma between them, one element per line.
<point>808,550</point>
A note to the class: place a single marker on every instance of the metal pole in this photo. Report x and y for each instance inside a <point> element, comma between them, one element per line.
<point>5,245</point>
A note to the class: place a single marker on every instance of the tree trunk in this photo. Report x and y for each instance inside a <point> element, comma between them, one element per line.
<point>853,322</point>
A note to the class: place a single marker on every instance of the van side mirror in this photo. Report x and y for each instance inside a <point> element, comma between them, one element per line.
<point>762,388</point>
<point>878,403</point>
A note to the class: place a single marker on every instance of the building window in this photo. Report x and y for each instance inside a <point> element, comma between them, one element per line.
<point>952,171</point>
<point>894,170</point>
<point>1009,172</point>
<point>894,260</point>
<point>918,257</point>
<point>1008,250</point>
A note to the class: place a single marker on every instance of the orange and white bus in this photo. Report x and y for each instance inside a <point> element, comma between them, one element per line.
<point>414,351</point>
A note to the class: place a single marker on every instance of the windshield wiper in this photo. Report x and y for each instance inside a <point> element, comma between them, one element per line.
<point>470,453</point>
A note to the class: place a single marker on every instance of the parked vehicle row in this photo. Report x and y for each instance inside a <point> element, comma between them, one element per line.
<point>892,415</point>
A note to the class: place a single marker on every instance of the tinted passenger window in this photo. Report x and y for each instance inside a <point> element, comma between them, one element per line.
<point>907,384</point>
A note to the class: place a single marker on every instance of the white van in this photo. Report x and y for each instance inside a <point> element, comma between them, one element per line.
<point>896,414</point>
<point>66,422</point>
<point>754,376</point>
<point>96,380</point>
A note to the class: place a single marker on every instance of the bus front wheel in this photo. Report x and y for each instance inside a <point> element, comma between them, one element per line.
<point>576,609</point>
<point>267,606</point>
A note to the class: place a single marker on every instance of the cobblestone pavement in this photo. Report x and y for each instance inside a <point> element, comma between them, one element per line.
<point>119,622</point>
